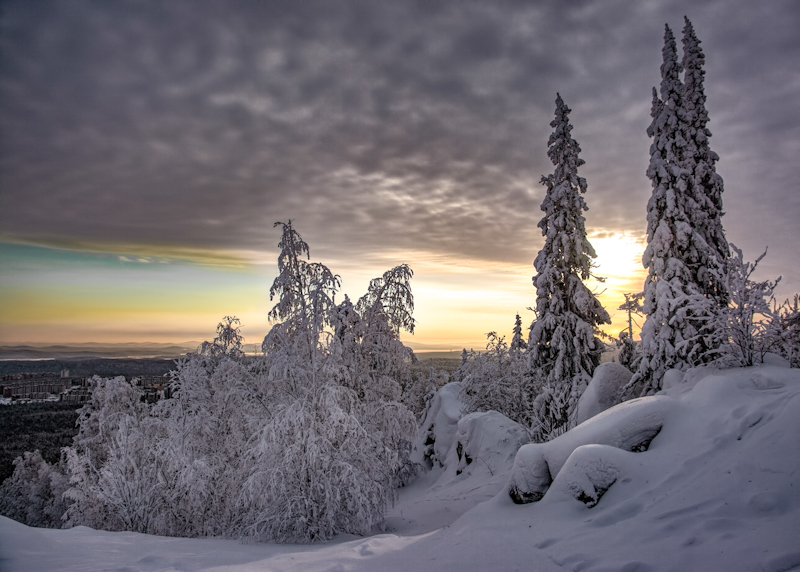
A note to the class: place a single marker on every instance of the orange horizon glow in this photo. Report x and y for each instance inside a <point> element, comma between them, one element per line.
<point>71,296</point>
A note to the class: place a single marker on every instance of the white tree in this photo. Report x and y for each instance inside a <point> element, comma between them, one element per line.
<point>327,455</point>
<point>685,283</point>
<point>386,310</point>
<point>562,343</point>
<point>744,325</point>
<point>499,379</point>
<point>784,330</point>
<point>704,182</point>
<point>33,494</point>
<point>305,292</point>
<point>318,470</point>
<point>107,455</point>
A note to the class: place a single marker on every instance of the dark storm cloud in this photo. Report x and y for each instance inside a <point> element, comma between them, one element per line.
<point>402,125</point>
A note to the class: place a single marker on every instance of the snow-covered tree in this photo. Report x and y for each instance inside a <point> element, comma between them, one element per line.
<point>562,344</point>
<point>705,183</point>
<point>305,292</point>
<point>110,462</point>
<point>784,330</point>
<point>744,325</point>
<point>319,471</point>
<point>33,494</point>
<point>686,248</point>
<point>629,351</point>
<point>499,379</point>
<point>327,457</point>
<point>518,342</point>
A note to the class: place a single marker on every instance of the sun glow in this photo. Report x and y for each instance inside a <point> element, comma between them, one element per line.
<point>619,261</point>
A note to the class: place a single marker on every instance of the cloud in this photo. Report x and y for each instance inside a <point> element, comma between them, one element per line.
<point>415,126</point>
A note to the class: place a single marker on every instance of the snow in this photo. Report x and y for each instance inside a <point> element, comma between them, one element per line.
<point>604,390</point>
<point>439,426</point>
<point>716,490</point>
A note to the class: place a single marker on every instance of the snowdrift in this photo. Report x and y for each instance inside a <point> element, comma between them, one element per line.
<point>716,489</point>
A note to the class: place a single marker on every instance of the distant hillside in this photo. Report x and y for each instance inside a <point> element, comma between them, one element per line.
<point>32,351</point>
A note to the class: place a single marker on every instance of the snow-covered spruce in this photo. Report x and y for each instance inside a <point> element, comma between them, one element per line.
<point>686,248</point>
<point>562,343</point>
<point>706,184</point>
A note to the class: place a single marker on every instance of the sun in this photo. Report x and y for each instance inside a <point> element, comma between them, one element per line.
<point>619,261</point>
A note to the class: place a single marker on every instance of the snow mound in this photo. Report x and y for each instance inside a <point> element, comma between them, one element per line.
<point>604,390</point>
<point>485,445</point>
<point>438,428</point>
<point>630,426</point>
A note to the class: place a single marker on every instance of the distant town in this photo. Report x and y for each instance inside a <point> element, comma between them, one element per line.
<point>50,386</point>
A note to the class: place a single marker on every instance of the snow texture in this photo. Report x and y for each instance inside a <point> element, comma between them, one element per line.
<point>629,426</point>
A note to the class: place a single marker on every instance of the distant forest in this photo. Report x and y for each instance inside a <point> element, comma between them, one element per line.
<point>46,426</point>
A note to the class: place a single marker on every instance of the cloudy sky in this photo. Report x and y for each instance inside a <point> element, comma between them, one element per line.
<point>147,148</point>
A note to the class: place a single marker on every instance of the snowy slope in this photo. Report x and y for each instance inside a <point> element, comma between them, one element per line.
<point>718,489</point>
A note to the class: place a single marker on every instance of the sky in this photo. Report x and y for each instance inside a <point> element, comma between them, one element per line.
<point>147,149</point>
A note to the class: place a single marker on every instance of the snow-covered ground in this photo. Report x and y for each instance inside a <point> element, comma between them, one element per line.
<point>718,489</point>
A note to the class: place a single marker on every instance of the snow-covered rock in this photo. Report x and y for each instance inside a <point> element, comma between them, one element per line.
<point>604,390</point>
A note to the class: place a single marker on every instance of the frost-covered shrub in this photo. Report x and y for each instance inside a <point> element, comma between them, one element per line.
<point>33,494</point>
<point>499,379</point>
<point>318,471</point>
<point>744,327</point>
<point>783,332</point>
<point>109,462</point>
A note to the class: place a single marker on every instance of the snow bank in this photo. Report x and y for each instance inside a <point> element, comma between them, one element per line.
<point>716,490</point>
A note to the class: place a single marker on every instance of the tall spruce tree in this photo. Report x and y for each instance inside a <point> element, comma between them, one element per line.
<point>562,344</point>
<point>686,247</point>
<point>706,184</point>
